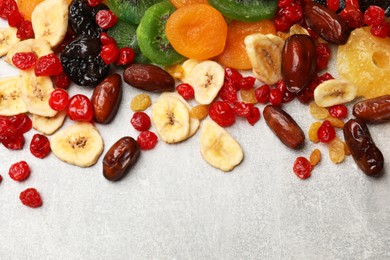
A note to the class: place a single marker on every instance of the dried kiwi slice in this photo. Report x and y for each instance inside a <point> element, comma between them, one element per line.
<point>151,36</point>
<point>246,10</point>
<point>130,10</point>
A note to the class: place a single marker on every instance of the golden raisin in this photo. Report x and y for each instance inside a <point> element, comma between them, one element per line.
<point>318,112</point>
<point>248,96</point>
<point>313,130</point>
<point>315,157</point>
<point>176,71</point>
<point>199,112</point>
<point>336,122</point>
<point>336,150</point>
<point>140,102</point>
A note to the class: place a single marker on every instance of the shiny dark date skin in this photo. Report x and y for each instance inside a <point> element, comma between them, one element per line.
<point>120,158</point>
<point>106,98</point>
<point>298,62</point>
<point>148,77</point>
<point>326,23</point>
<point>374,110</point>
<point>363,149</point>
<point>284,127</point>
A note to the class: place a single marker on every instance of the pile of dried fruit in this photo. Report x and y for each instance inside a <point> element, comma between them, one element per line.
<point>198,48</point>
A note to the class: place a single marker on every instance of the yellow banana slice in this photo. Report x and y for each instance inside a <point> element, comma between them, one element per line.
<point>334,92</point>
<point>11,102</point>
<point>7,39</point>
<point>48,125</point>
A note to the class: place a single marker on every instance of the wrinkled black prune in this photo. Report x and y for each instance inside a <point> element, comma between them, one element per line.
<point>82,18</point>
<point>82,63</point>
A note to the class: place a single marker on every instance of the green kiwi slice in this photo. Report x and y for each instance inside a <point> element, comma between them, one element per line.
<point>130,10</point>
<point>246,10</point>
<point>151,36</point>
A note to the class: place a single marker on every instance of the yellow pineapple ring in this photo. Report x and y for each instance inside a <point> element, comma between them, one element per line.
<point>365,61</point>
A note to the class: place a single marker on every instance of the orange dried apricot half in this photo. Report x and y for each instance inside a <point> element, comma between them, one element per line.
<point>197,31</point>
<point>182,3</point>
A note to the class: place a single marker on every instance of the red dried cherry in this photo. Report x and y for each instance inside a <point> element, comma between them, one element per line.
<point>302,168</point>
<point>333,5</point>
<point>242,109</point>
<point>20,123</point>
<point>19,171</point>
<point>15,19</point>
<point>222,113</point>
<point>59,99</point>
<point>228,92</point>
<point>147,140</point>
<point>247,83</point>
<point>24,60</point>
<point>141,121</point>
<point>4,124</point>
<point>94,3</point>
<point>12,140</point>
<point>326,132</point>
<point>352,16</point>
<point>254,116</point>
<point>322,56</point>
<point>262,94</point>
<point>233,76</point>
<point>185,90</point>
<point>374,15</point>
<point>381,31</point>
<point>40,146</point>
<point>48,65</point>
<point>109,53</point>
<point>125,57</point>
<point>105,39</point>
<point>283,3</point>
<point>338,111</point>
<point>7,8</point>
<point>275,97</point>
<point>25,30</point>
<point>293,12</point>
<point>106,19</point>
<point>80,108</point>
<point>31,198</point>
<point>62,81</point>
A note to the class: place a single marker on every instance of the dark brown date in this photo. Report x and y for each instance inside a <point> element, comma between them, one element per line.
<point>284,127</point>
<point>298,62</point>
<point>149,77</point>
<point>363,149</point>
<point>375,110</point>
<point>106,98</point>
<point>119,158</point>
<point>326,23</point>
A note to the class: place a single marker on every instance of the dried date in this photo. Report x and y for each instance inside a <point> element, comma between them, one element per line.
<point>375,110</point>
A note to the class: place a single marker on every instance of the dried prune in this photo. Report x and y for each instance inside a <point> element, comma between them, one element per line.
<point>82,63</point>
<point>82,18</point>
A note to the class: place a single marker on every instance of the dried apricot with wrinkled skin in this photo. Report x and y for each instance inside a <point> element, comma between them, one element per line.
<point>197,31</point>
<point>248,96</point>
<point>140,102</point>
<point>313,132</point>
<point>234,55</point>
<point>336,151</point>
<point>182,3</point>
<point>315,157</point>
<point>199,112</point>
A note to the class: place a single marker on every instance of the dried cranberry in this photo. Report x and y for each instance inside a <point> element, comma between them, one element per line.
<point>185,90</point>
<point>59,99</point>
<point>288,97</point>
<point>275,97</point>
<point>4,124</point>
<point>19,171</point>
<point>242,109</point>
<point>352,4</point>
<point>25,30</point>
<point>374,15</point>
<point>326,132</point>
<point>283,3</point>
<point>293,12</point>
<point>20,123</point>
<point>222,113</point>
<point>228,92</point>
<point>12,140</point>
<point>1,178</point>
<point>281,85</point>
<point>141,121</point>
<point>282,24</point>
<point>262,94</point>
<point>302,168</point>
<point>94,3</point>
<point>105,39</point>
<point>352,16</point>
<point>106,19</point>
<point>109,53</point>
<point>31,198</point>
<point>7,8</point>
<point>15,19</point>
<point>62,81</point>
<point>324,77</point>
<point>80,108</point>
<point>254,116</point>
<point>24,60</point>
<point>125,57</point>
<point>322,56</point>
<point>233,76</point>
<point>247,83</point>
<point>333,5</point>
<point>48,65</point>
<point>40,146</point>
<point>381,30</point>
<point>338,111</point>
<point>147,140</point>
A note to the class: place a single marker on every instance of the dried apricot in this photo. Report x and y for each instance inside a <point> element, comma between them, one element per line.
<point>26,7</point>
<point>199,112</point>
<point>234,55</point>
<point>197,31</point>
<point>140,102</point>
<point>313,130</point>
<point>318,112</point>
<point>315,157</point>
<point>182,3</point>
<point>336,150</point>
<point>248,96</point>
